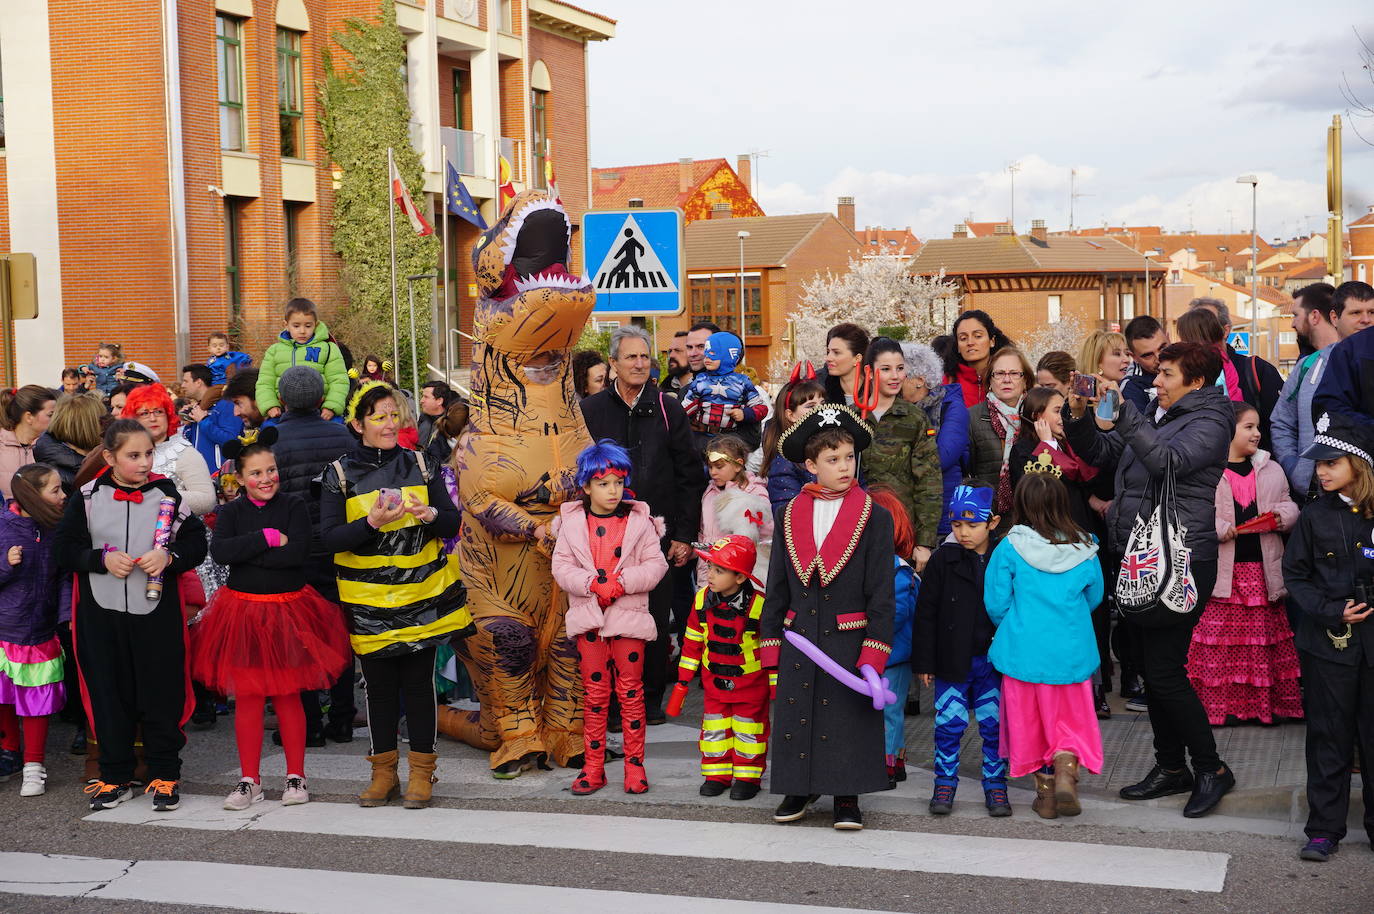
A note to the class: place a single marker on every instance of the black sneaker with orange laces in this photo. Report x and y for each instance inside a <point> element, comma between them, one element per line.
<point>165,794</point>
<point>107,796</point>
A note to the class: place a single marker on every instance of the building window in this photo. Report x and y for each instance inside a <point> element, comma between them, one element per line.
<point>458,99</point>
<point>229,63</point>
<point>715,298</point>
<point>233,257</point>
<point>289,94</point>
<point>1056,302</point>
<point>1127,305</point>
<point>539,109</point>
<point>1288,337</point>
<point>291,217</point>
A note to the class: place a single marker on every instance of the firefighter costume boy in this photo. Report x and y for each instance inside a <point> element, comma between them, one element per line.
<point>722,640</point>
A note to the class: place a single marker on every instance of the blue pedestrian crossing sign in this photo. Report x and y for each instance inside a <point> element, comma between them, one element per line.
<point>1239,340</point>
<point>635,260</point>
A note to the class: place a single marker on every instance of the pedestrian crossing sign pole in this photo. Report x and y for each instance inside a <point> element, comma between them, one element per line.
<point>1239,340</point>
<point>635,259</point>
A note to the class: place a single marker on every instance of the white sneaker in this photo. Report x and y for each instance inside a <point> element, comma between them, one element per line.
<point>244,795</point>
<point>35,780</point>
<point>295,793</point>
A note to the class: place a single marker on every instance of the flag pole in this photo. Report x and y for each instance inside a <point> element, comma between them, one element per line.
<point>448,362</point>
<point>391,223</point>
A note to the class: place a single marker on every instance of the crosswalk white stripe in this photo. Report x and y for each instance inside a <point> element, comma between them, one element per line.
<point>1015,858</point>
<point>304,891</point>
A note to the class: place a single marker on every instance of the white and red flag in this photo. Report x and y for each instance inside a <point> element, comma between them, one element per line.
<point>407,205</point>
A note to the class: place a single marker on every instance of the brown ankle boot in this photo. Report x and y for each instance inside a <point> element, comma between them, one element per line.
<point>1066,784</point>
<point>385,784</point>
<point>421,779</point>
<point>1044,805</point>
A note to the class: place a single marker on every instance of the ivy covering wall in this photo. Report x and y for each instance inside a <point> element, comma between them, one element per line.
<point>364,110</point>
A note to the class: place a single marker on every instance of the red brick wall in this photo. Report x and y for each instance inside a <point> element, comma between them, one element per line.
<point>446,108</point>
<point>200,149</point>
<point>4,206</point>
<point>113,217</point>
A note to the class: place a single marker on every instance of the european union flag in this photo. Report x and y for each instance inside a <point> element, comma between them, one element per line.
<point>460,201</point>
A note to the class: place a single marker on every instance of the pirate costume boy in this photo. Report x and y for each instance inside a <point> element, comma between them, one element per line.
<point>831,583</point>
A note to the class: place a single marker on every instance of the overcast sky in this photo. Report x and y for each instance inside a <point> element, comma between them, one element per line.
<point>915,109</point>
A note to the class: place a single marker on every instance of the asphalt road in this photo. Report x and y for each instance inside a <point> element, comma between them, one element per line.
<point>1262,872</point>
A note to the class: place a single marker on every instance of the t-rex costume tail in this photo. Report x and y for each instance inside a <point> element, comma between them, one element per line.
<point>515,467</point>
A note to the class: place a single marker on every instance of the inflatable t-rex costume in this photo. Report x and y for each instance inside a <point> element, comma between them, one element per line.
<point>516,465</point>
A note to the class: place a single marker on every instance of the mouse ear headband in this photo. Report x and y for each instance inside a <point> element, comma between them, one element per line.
<point>263,436</point>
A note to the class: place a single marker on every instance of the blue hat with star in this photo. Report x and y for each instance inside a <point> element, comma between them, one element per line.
<point>971,503</point>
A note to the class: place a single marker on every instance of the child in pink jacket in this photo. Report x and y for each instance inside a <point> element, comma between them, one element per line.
<point>1242,661</point>
<point>735,503</point>
<point>607,559</point>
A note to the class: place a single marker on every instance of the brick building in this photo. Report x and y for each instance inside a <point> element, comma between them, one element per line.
<point>884,242</point>
<point>164,160</point>
<point>780,254</point>
<point>1274,312</point>
<point>701,188</point>
<point>1361,266</point>
<point>1026,281</point>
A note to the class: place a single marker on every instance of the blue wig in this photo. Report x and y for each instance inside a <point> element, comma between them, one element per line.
<point>602,455</point>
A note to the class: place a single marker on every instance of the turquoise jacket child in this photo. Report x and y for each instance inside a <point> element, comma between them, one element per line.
<point>1041,595</point>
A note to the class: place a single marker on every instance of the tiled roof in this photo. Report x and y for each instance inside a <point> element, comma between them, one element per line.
<point>1313,269</point>
<point>1293,267</point>
<point>1366,219</point>
<point>1114,230</point>
<point>713,244</point>
<point>888,241</point>
<point>982,229</point>
<point>657,185</point>
<point>1275,296</point>
<point>1023,254</point>
<point>1206,247</point>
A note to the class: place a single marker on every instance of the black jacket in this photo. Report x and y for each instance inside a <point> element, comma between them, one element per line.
<point>61,457</point>
<point>1196,432</point>
<point>951,627</point>
<point>255,567</point>
<point>1260,385</point>
<point>667,471</point>
<point>306,444</point>
<point>1328,552</point>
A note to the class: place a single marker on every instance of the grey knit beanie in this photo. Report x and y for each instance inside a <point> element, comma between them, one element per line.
<point>300,387</point>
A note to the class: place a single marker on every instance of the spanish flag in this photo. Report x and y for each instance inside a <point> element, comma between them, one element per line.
<point>407,205</point>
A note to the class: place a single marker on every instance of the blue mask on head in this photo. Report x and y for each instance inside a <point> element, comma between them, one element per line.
<point>971,503</point>
<point>725,347</point>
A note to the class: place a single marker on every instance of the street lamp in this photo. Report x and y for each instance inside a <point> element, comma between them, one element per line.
<point>1253,181</point>
<point>743,347</point>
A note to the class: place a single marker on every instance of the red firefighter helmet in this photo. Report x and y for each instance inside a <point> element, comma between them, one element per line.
<point>733,553</point>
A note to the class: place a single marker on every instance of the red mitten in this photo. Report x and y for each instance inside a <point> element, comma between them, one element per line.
<point>607,592</point>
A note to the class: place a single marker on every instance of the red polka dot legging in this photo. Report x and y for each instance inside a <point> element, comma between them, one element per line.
<point>604,659</point>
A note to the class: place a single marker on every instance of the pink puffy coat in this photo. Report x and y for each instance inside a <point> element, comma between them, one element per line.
<point>641,567</point>
<point>1271,493</point>
<point>743,510</point>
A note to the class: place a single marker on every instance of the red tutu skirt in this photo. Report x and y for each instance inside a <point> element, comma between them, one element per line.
<point>1242,662</point>
<point>269,644</point>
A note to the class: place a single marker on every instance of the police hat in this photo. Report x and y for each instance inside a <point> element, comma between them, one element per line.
<point>1338,436</point>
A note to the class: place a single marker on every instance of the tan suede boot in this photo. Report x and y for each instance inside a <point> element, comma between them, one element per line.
<point>1044,805</point>
<point>385,785</point>
<point>1066,784</point>
<point>420,784</point>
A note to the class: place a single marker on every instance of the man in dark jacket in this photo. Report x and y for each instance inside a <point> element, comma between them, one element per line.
<point>1347,387</point>
<point>667,474</point>
<point>306,444</point>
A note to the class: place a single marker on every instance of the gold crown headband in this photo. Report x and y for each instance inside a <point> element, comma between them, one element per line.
<point>1043,464</point>
<point>713,456</point>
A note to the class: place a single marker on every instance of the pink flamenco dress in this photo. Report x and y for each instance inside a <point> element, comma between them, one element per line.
<point>1242,661</point>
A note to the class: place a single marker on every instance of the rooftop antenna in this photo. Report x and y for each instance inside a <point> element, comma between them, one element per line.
<point>1074,195</point>
<point>754,156</point>
<point>1012,169</point>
